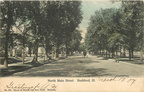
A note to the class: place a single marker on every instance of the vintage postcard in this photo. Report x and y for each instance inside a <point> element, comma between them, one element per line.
<point>72,46</point>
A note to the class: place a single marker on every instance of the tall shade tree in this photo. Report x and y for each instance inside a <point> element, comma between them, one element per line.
<point>7,14</point>
<point>47,23</point>
<point>110,30</point>
<point>133,19</point>
<point>61,22</point>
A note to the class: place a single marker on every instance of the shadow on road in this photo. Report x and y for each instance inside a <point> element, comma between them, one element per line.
<point>95,72</point>
<point>14,69</point>
<point>71,67</point>
<point>21,67</point>
<point>11,61</point>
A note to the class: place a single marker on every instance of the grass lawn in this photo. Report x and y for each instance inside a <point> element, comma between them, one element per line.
<point>135,60</point>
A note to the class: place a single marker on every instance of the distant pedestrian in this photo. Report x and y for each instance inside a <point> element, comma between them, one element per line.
<point>84,53</point>
<point>117,59</point>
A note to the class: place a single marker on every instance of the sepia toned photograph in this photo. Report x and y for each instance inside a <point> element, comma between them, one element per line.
<point>71,38</point>
<point>72,46</point>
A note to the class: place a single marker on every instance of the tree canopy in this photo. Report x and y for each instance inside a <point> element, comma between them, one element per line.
<point>112,29</point>
<point>42,23</point>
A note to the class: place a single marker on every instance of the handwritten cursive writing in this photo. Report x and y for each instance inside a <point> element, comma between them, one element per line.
<point>131,81</point>
<point>24,86</point>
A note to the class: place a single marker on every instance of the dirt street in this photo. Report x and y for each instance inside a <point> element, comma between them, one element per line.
<point>78,66</point>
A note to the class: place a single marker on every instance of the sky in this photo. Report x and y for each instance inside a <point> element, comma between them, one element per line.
<point>89,8</point>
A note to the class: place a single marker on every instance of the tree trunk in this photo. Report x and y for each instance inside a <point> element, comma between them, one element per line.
<point>11,51</point>
<point>112,54</point>
<point>129,54</point>
<point>8,22</point>
<point>141,55</point>
<point>120,51</point>
<point>6,49</point>
<point>35,51</point>
<point>109,53</point>
<point>67,52</point>
<point>100,52</point>
<point>29,51</point>
<point>57,52</point>
<point>35,57</point>
<point>132,53</point>
<point>103,53</point>
<point>106,53</point>
<point>6,46</point>
<point>47,47</point>
<point>53,52</point>
<point>23,54</point>
<point>142,50</point>
<point>116,52</point>
<point>124,52</point>
<point>62,52</point>
<point>47,52</point>
<point>23,49</point>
